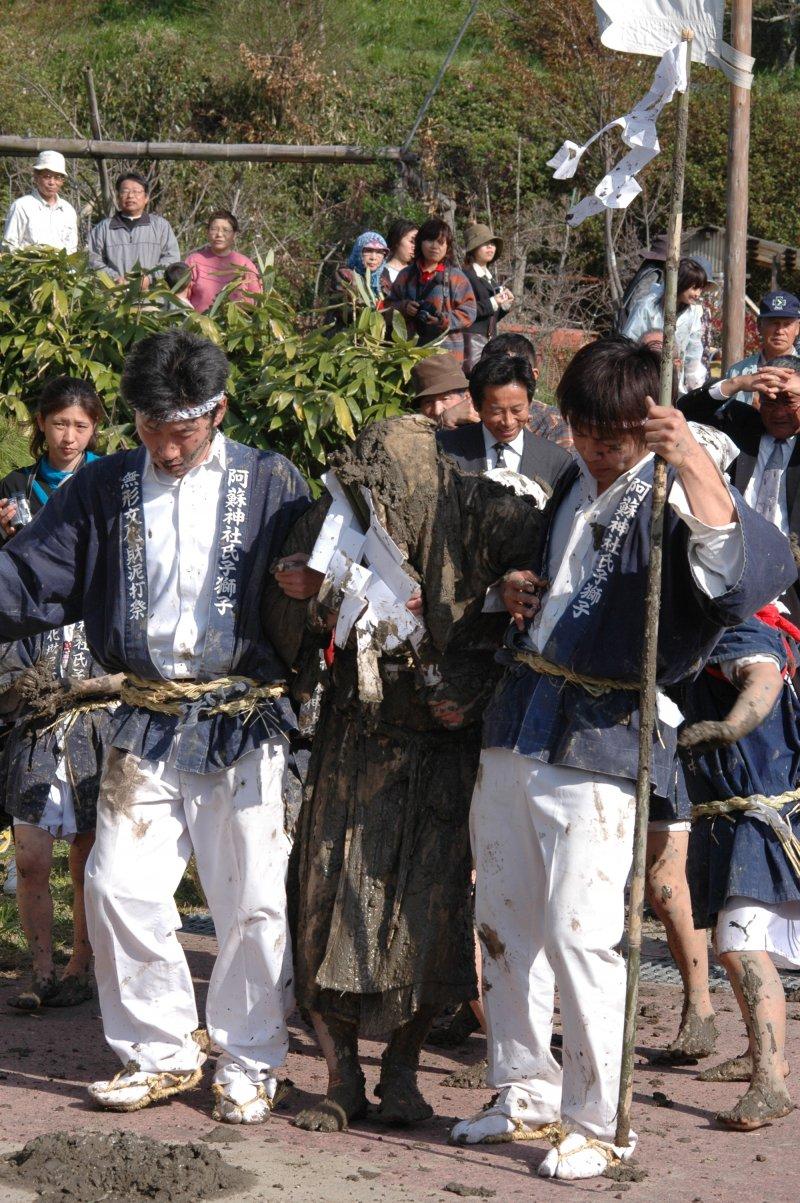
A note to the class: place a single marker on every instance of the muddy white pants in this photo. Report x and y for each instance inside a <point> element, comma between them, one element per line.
<point>150,817</point>
<point>553,848</point>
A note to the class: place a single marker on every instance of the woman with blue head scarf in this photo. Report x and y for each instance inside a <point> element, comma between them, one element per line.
<point>367,259</point>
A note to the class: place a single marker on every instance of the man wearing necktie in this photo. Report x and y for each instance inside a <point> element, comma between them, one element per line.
<point>767,469</point>
<point>502,388</point>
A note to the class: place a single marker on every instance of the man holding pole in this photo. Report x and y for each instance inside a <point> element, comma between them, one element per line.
<point>553,811</point>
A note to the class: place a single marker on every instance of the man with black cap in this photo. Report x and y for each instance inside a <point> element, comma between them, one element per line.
<point>779,329</point>
<point>163,552</point>
<point>442,391</point>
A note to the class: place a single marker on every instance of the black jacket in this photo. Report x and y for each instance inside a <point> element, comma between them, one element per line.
<point>542,460</point>
<point>488,317</point>
<point>742,423</point>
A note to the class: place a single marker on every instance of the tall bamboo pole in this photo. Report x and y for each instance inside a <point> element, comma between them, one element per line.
<point>647,697</point>
<point>736,201</point>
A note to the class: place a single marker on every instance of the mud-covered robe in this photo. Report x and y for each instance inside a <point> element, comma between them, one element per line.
<point>84,559</point>
<point>381,869</point>
<point>599,635</point>
<point>34,745</point>
<point>736,854</point>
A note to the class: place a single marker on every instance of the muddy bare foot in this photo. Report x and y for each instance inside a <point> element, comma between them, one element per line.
<point>697,1038</point>
<point>469,1077</point>
<point>759,1106</point>
<point>735,1069</point>
<point>341,1104</point>
<point>457,1031</point>
<point>401,1101</point>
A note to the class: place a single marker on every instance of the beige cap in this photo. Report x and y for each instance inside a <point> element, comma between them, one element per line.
<point>51,160</point>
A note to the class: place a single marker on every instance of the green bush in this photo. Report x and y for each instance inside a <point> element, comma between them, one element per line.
<point>295,387</point>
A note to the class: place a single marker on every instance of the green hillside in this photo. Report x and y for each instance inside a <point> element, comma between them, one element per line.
<point>527,74</point>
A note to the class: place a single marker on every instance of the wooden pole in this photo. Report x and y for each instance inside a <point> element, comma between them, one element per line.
<point>97,134</point>
<point>434,88</point>
<point>252,152</point>
<point>647,697</point>
<point>736,227</point>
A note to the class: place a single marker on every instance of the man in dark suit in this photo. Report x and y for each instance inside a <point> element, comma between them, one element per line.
<point>502,389</point>
<point>767,470</point>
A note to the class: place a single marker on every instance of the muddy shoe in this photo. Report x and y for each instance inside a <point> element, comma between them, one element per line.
<point>72,990</point>
<point>245,1101</point>
<point>37,994</point>
<point>131,1089</point>
<point>577,1156</point>
<point>759,1106</point>
<point>696,1039</point>
<point>401,1102</point>
<point>507,1117</point>
<point>342,1103</point>
<point>469,1077</point>
<point>457,1031</point>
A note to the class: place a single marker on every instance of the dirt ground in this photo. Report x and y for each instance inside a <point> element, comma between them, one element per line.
<point>47,1058</point>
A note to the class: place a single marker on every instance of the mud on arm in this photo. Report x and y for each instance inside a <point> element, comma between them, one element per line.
<point>760,684</point>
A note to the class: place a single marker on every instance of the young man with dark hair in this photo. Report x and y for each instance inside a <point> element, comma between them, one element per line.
<point>553,809</point>
<point>132,238</point>
<point>163,553</point>
<point>545,420</point>
<point>502,389</point>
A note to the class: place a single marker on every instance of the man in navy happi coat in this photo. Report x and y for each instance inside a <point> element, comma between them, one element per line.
<point>163,552</point>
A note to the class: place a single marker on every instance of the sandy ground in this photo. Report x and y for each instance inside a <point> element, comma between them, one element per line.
<point>47,1057</point>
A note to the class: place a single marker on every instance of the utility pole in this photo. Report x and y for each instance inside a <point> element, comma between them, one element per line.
<point>733,304</point>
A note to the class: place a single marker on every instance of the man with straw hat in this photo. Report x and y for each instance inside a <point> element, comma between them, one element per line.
<point>43,218</point>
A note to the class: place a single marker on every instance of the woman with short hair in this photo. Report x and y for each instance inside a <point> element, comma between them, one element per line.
<point>402,240</point>
<point>493,300</point>
<point>432,294</point>
<point>217,264</point>
<point>648,314</point>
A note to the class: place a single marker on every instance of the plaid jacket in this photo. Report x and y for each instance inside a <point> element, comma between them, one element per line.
<point>449,293</point>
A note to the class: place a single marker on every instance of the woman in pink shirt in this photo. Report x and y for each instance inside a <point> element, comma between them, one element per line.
<point>218,264</point>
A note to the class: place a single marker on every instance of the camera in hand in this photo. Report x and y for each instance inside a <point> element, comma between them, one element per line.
<point>427,312</point>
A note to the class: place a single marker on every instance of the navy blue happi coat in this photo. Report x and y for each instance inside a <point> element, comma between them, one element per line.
<point>84,559</point>
<point>736,854</point>
<point>600,635</point>
<point>34,745</point>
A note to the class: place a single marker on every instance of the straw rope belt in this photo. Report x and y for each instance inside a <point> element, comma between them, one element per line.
<point>706,810</point>
<point>171,697</point>
<point>594,686</point>
<point>766,809</point>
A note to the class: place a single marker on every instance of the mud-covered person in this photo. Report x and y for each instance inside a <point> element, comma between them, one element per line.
<point>383,932</point>
<point>741,752</point>
<point>553,810</point>
<point>162,552</point>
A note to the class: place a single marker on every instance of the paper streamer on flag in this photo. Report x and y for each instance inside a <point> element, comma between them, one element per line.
<point>652,26</point>
<point>619,187</point>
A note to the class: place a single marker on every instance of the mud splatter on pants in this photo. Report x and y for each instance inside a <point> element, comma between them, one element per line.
<point>553,848</point>
<point>233,820</point>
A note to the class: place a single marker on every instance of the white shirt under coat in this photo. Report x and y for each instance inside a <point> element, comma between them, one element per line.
<point>31,221</point>
<point>180,523</point>
<point>512,451</point>
<point>781,519</point>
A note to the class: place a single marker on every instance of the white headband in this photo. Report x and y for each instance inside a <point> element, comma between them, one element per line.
<point>193,411</point>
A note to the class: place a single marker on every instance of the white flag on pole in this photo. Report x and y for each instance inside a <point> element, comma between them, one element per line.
<point>652,26</point>
<point>618,188</point>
